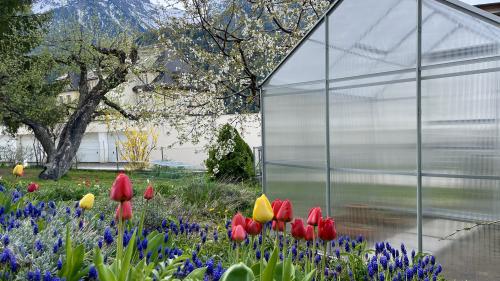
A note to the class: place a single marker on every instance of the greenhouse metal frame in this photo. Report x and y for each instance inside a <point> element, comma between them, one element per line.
<point>387,114</point>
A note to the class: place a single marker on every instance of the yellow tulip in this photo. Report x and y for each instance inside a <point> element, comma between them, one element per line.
<point>262,210</point>
<point>87,201</point>
<point>18,170</point>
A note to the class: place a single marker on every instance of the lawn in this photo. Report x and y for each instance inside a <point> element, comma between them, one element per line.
<point>187,231</point>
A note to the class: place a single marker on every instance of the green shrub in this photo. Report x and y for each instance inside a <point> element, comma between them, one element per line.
<point>230,158</point>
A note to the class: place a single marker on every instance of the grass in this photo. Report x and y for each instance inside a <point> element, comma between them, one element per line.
<point>178,192</point>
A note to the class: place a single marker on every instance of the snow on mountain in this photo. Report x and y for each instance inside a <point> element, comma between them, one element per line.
<point>110,15</point>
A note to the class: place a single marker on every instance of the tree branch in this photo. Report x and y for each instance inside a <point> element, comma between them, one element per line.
<point>469,228</point>
<point>118,108</point>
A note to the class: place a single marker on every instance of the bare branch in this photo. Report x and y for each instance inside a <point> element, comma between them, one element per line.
<point>469,228</point>
<point>118,108</point>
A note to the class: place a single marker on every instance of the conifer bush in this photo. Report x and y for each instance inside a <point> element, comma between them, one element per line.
<point>230,158</point>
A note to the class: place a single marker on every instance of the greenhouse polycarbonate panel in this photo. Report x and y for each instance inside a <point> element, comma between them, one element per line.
<point>461,141</point>
<point>460,117</point>
<point>374,128</point>
<point>380,207</point>
<point>295,128</point>
<point>450,35</point>
<point>451,204</point>
<point>306,64</point>
<point>371,36</point>
<point>373,119</point>
<point>304,187</point>
<point>373,150</point>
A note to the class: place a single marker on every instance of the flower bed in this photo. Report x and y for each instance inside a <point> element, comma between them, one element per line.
<point>50,241</point>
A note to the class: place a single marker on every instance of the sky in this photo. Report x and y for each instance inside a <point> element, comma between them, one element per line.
<point>475,2</point>
<point>472,2</point>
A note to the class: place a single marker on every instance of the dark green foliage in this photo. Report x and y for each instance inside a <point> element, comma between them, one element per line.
<point>230,159</point>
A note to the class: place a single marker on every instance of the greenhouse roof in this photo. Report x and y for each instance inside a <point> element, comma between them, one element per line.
<point>382,16</point>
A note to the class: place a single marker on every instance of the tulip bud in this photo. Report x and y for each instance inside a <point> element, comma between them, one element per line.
<point>18,170</point>
<point>252,227</point>
<point>238,234</point>
<point>276,205</point>
<point>314,216</point>
<point>285,214</point>
<point>310,235</point>
<point>87,201</point>
<point>298,229</point>
<point>326,229</point>
<point>278,226</point>
<point>262,210</point>
<point>126,208</point>
<point>149,192</point>
<point>238,219</point>
<point>32,187</point>
<point>121,189</point>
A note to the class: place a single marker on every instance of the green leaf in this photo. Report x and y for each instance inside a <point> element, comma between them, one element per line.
<point>125,265</point>
<point>197,274</point>
<point>256,269</point>
<point>268,273</point>
<point>103,272</point>
<point>238,272</point>
<point>289,273</point>
<point>310,275</point>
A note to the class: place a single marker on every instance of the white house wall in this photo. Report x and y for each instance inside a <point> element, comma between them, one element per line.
<point>99,145</point>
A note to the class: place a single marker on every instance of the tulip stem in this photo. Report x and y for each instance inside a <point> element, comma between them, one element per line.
<point>262,251</point>
<point>313,254</point>
<point>285,247</point>
<point>237,252</point>
<point>141,223</point>
<point>119,239</point>
<point>324,260</point>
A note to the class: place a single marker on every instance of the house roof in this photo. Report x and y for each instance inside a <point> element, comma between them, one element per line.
<point>478,12</point>
<point>493,8</point>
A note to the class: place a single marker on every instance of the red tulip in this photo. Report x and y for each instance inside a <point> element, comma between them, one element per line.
<point>238,219</point>
<point>278,226</point>
<point>126,210</point>
<point>285,214</point>
<point>252,227</point>
<point>33,186</point>
<point>314,216</point>
<point>238,234</point>
<point>326,229</point>
<point>121,189</point>
<point>276,205</point>
<point>149,192</point>
<point>310,233</point>
<point>298,229</point>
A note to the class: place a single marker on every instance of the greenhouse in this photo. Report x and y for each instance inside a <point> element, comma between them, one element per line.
<point>387,114</point>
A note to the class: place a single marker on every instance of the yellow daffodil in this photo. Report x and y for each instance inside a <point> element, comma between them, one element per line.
<point>262,210</point>
<point>87,201</point>
<point>18,170</point>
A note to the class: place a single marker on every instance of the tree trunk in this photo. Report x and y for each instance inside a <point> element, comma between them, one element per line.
<point>42,134</point>
<point>69,141</point>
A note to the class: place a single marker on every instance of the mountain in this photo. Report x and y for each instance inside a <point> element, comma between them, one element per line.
<point>110,16</point>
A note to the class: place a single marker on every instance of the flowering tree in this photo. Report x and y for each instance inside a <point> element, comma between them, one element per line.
<point>228,47</point>
<point>137,147</point>
<point>29,97</point>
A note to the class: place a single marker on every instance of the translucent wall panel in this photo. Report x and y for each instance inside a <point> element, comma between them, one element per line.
<point>295,127</point>
<point>371,36</point>
<point>373,142</point>
<point>304,186</point>
<point>373,119</point>
<point>460,141</point>
<point>454,203</point>
<point>307,63</point>
<point>450,35</point>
